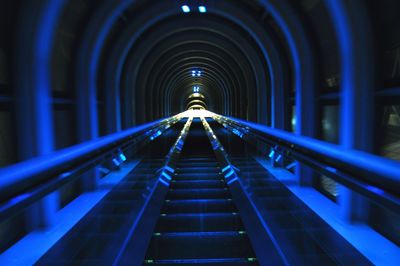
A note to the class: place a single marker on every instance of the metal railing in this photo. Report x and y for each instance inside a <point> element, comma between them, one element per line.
<point>373,176</point>
<point>26,182</point>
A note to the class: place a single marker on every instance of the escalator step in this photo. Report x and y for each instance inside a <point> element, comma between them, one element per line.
<point>197,159</point>
<point>196,245</point>
<point>196,164</point>
<point>197,176</point>
<point>199,184</point>
<point>210,222</point>
<point>200,193</point>
<point>199,222</point>
<point>197,170</point>
<point>218,262</point>
<point>198,206</point>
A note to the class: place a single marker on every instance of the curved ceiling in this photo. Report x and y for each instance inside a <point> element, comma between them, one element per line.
<point>129,62</point>
<point>157,63</point>
<point>143,52</point>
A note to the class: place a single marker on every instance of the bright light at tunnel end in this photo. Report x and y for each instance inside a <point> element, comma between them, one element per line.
<point>195,113</point>
<point>185,9</point>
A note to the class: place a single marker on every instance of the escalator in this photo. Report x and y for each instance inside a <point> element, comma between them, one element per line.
<point>199,222</point>
<point>199,218</point>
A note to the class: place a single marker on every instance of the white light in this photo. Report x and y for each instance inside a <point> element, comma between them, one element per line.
<point>202,9</point>
<point>195,113</point>
<point>196,73</point>
<point>185,8</point>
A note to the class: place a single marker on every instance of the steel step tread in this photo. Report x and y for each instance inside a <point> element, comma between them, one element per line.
<point>200,245</point>
<point>220,261</point>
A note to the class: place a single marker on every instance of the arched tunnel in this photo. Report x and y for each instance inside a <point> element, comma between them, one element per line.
<point>186,132</point>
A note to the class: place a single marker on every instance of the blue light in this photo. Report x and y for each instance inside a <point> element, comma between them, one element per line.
<point>278,159</point>
<point>185,9</point>
<point>163,182</point>
<point>231,172</point>
<point>226,168</point>
<point>237,133</point>
<point>202,9</point>
<point>196,73</point>
<point>166,175</point>
<point>196,89</point>
<point>116,162</point>
<point>155,135</point>
<point>233,180</point>
<point>122,157</point>
<point>271,154</point>
<point>375,190</point>
<point>169,169</point>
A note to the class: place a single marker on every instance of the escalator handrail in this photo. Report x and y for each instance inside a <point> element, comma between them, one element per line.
<point>375,170</point>
<point>17,178</point>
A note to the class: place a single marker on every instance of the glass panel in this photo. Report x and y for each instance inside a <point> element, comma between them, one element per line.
<point>329,133</point>
<point>330,119</point>
<point>330,186</point>
<point>390,146</point>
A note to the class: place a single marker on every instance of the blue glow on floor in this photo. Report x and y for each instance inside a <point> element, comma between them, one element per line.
<point>379,250</point>
<point>43,240</point>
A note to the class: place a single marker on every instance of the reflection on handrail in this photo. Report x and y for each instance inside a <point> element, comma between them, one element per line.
<point>174,153</point>
<point>228,170</point>
<point>373,176</point>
